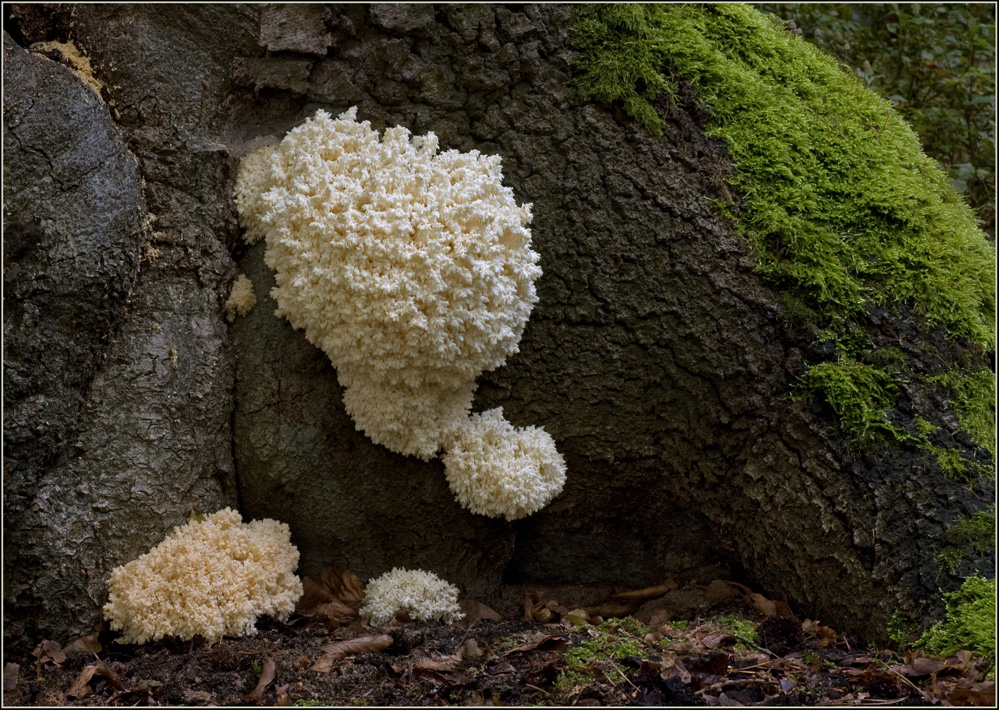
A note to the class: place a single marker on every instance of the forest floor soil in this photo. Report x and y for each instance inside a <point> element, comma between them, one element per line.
<point>734,655</point>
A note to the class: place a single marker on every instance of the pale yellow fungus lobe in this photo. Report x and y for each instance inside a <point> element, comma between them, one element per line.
<point>242,298</point>
<point>211,578</point>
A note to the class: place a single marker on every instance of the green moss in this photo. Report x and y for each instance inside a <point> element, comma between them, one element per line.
<point>888,359</point>
<point>901,631</point>
<point>973,395</point>
<point>970,621</point>
<point>603,648</point>
<point>970,535</point>
<point>843,208</point>
<point>924,429</point>
<point>859,395</point>
<point>953,464</point>
<point>740,627</point>
<point>633,626</point>
<point>952,461</point>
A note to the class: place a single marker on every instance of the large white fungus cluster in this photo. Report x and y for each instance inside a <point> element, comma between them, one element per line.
<point>412,269</point>
<point>210,578</point>
<point>420,595</point>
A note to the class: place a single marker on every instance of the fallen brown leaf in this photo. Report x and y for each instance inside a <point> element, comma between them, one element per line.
<point>660,617</point>
<point>45,652</point>
<point>537,608</point>
<point>336,610</point>
<point>534,608</point>
<point>543,615</point>
<point>540,642</point>
<point>363,644</point>
<point>762,604</point>
<point>961,658</point>
<point>673,667</point>
<point>559,611</point>
<point>81,688</point>
<point>470,650</point>
<point>708,669</point>
<point>501,667</point>
<point>267,674</point>
<point>921,666</point>
<point>10,676</point>
<point>437,671</point>
<point>475,610</point>
<point>87,644</point>
<point>336,595</point>
<point>718,639</point>
<point>202,697</point>
<point>448,663</point>
<point>725,699</point>
<point>652,592</point>
<point>824,636</point>
<point>969,692</point>
<point>282,695</point>
<point>654,637</point>
<point>51,697</point>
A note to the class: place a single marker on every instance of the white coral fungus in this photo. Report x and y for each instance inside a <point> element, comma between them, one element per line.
<point>412,270</point>
<point>422,596</point>
<point>242,298</point>
<point>212,578</point>
<point>498,470</point>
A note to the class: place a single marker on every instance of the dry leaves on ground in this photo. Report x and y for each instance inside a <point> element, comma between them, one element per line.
<point>562,653</point>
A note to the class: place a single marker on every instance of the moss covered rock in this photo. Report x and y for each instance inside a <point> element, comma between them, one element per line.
<point>881,268</point>
<point>844,209</point>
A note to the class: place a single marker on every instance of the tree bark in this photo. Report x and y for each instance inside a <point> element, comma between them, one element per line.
<point>656,357</point>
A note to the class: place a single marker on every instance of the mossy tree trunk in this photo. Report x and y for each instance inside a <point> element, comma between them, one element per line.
<point>656,357</point>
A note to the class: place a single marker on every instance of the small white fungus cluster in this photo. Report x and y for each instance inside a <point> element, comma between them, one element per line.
<point>496,469</point>
<point>412,270</point>
<point>242,299</point>
<point>422,596</point>
<point>212,578</point>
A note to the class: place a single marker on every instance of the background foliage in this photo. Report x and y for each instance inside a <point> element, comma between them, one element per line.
<point>936,62</point>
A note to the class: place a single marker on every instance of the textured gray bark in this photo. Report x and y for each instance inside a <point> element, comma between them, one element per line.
<point>117,379</point>
<point>656,358</point>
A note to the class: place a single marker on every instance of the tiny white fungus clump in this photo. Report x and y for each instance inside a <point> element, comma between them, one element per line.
<point>242,298</point>
<point>411,269</point>
<point>210,578</point>
<point>496,469</point>
<point>422,596</point>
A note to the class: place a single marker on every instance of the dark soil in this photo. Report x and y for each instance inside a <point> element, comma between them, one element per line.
<point>717,661</point>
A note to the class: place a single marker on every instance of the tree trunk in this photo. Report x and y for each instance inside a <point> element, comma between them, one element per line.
<point>655,357</point>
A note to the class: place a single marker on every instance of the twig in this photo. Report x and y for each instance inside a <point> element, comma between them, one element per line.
<point>618,669</point>
<point>912,685</point>
<point>745,669</point>
<point>870,702</point>
<point>758,648</point>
